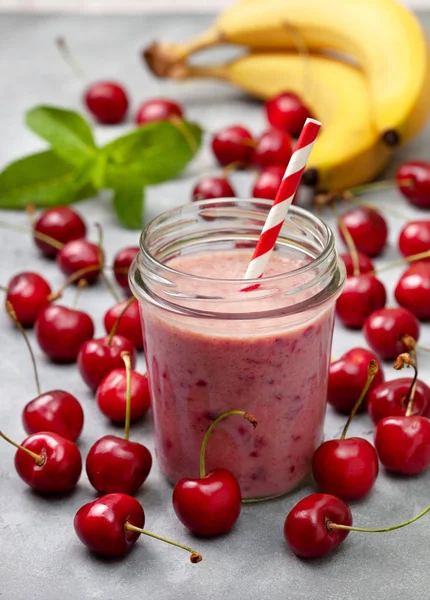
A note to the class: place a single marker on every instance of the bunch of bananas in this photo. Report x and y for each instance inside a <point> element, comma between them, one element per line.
<point>361,66</point>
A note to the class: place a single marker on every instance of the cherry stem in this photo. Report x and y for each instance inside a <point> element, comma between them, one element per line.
<point>68,58</point>
<point>181,126</point>
<point>411,345</point>
<point>240,413</point>
<point>30,210</point>
<point>127,361</point>
<point>399,263</point>
<point>82,284</point>
<point>230,168</point>
<point>371,372</point>
<point>195,557</point>
<point>405,360</point>
<point>331,525</point>
<point>12,314</point>
<point>349,242</point>
<point>112,332</point>
<point>3,288</point>
<point>37,457</point>
<point>77,276</point>
<point>102,264</point>
<point>37,234</point>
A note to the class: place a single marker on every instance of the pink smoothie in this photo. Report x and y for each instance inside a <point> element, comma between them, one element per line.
<point>278,372</point>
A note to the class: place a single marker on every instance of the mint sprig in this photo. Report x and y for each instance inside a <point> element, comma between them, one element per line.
<point>74,167</point>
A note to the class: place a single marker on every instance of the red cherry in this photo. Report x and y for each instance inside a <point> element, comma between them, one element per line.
<point>129,325</point>
<point>414,238</point>
<point>385,328</point>
<point>107,101</point>
<point>368,229</point>
<point>112,524</point>
<point>347,377</point>
<point>47,462</point>
<point>413,290</point>
<point>233,144</point>
<point>62,224</point>
<point>111,397</point>
<point>61,331</point>
<point>413,180</point>
<point>388,399</point>
<point>158,109</point>
<point>307,526</point>
<point>211,504</point>
<point>78,255</point>
<point>274,147</point>
<point>287,112</point>
<point>118,465</point>
<point>121,265</point>
<point>212,187</point>
<point>403,444</point>
<point>56,411</point>
<point>28,293</point>
<point>364,262</point>
<point>346,468</point>
<point>268,181</point>
<point>100,524</point>
<point>100,356</point>
<point>361,296</point>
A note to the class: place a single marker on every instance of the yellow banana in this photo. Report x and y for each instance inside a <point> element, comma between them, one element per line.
<point>384,37</point>
<point>349,150</point>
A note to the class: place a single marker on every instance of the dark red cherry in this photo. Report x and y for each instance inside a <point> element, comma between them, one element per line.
<point>121,265</point>
<point>107,101</point>
<point>346,468</point>
<point>268,181</point>
<point>287,112</point>
<point>233,144</point>
<point>98,357</point>
<point>403,444</point>
<point>61,331</point>
<point>364,262</point>
<point>78,255</point>
<point>414,238</point>
<point>56,411</point>
<point>361,296</point>
<point>307,526</point>
<point>347,378</point>
<point>60,223</point>
<point>413,180</point>
<point>28,293</point>
<point>129,325</point>
<point>385,328</point>
<point>413,290</point>
<point>274,147</point>
<point>388,399</point>
<point>111,396</point>
<point>367,228</point>
<point>212,187</point>
<point>158,109</point>
<point>48,463</point>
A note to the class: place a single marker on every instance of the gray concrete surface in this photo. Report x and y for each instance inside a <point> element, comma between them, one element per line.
<point>40,557</point>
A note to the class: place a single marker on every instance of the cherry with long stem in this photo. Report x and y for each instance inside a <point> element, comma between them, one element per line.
<point>211,504</point>
<point>12,314</point>
<point>195,557</point>
<point>347,467</point>
<point>39,458</point>
<point>331,525</point>
<point>37,234</point>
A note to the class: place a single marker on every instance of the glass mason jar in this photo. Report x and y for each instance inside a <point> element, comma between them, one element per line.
<point>211,347</point>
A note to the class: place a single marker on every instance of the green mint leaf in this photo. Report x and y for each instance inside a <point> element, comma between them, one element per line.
<point>67,132</point>
<point>44,180</point>
<point>153,153</point>
<point>128,203</point>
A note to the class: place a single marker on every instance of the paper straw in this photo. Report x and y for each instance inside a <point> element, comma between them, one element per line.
<point>284,197</point>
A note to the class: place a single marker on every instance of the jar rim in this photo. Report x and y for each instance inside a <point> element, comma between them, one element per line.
<point>329,240</point>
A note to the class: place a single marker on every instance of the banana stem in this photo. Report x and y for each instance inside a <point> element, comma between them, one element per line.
<point>240,413</point>
<point>371,372</point>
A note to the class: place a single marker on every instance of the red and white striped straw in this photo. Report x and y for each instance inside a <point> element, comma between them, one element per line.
<point>284,197</point>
